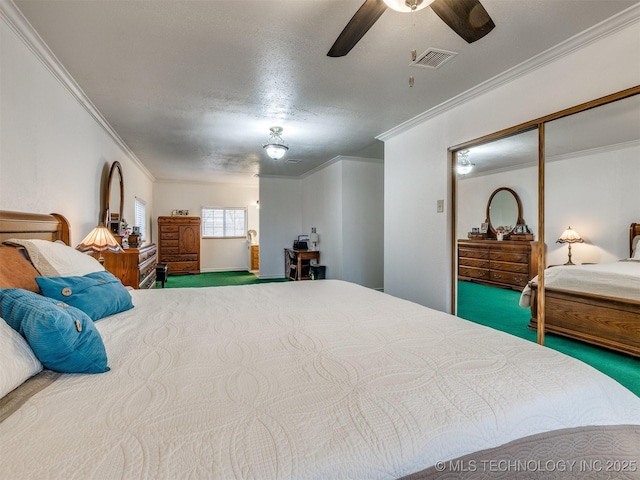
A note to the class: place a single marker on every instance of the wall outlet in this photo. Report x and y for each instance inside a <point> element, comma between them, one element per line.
<point>440,207</point>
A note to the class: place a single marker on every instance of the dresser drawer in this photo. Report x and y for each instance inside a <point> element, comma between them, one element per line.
<point>178,258</point>
<point>510,267</point>
<point>474,262</point>
<point>473,253</point>
<point>170,250</point>
<point>508,278</point>
<point>170,236</point>
<point>149,281</point>
<point>169,228</point>
<point>147,254</point>
<point>176,267</point>
<point>470,272</point>
<point>517,257</point>
<point>168,243</point>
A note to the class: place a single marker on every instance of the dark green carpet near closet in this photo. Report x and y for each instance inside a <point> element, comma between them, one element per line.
<point>216,279</point>
<point>498,308</point>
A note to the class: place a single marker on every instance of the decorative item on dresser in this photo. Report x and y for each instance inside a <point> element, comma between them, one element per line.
<point>135,267</point>
<point>179,244</point>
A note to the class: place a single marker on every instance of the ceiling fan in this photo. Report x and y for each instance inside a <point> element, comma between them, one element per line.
<point>467,18</point>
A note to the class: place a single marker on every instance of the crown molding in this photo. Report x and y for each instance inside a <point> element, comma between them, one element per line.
<point>600,30</point>
<point>17,22</point>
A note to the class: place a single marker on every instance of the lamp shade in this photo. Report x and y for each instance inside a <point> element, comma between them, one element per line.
<point>407,5</point>
<point>313,237</point>
<point>569,236</point>
<point>99,240</point>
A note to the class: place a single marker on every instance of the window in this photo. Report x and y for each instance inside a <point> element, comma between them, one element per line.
<point>141,217</point>
<point>224,222</point>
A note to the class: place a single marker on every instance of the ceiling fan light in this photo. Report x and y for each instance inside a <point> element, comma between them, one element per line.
<point>407,5</point>
<point>275,147</point>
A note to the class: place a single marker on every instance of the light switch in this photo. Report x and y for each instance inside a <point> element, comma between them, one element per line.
<point>440,206</point>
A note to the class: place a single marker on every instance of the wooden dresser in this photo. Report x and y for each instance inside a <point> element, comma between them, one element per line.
<point>179,244</point>
<point>507,263</point>
<point>135,267</point>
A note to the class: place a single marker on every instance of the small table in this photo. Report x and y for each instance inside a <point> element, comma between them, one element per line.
<point>300,256</point>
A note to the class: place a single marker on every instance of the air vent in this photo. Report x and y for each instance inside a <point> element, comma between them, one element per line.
<point>433,58</point>
<point>293,160</point>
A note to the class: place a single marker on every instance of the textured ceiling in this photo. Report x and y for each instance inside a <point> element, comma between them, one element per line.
<point>192,87</point>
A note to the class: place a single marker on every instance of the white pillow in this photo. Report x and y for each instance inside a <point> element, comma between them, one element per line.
<point>635,247</point>
<point>55,259</point>
<point>17,361</point>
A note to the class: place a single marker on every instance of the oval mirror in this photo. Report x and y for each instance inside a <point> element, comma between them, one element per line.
<point>114,201</point>
<point>504,211</point>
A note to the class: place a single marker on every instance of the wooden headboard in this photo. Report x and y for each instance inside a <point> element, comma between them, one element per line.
<point>634,230</point>
<point>33,225</point>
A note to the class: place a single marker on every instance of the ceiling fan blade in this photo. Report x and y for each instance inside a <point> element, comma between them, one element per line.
<point>359,24</point>
<point>467,18</point>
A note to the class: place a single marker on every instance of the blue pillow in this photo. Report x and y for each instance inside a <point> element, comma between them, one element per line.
<point>63,338</point>
<point>97,294</point>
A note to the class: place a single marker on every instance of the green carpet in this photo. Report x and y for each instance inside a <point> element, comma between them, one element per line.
<point>498,308</point>
<point>215,279</point>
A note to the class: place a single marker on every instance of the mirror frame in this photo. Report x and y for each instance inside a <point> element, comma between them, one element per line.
<point>107,217</point>
<point>519,220</point>
<point>538,123</point>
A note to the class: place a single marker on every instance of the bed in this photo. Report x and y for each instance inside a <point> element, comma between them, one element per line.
<point>598,304</point>
<point>322,379</point>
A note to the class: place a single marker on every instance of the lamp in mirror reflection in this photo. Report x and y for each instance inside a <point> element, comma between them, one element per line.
<point>99,240</point>
<point>569,236</point>
<point>275,146</point>
<point>313,238</point>
<point>464,165</point>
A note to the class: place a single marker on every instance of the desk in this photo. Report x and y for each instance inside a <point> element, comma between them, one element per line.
<point>301,255</point>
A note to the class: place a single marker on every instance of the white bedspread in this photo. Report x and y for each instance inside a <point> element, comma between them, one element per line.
<point>617,279</point>
<point>297,380</point>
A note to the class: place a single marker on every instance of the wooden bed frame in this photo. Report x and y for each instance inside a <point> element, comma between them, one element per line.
<point>33,225</point>
<point>604,321</point>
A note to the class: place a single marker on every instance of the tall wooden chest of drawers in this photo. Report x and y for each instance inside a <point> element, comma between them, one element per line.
<point>135,267</point>
<point>507,263</point>
<point>179,244</point>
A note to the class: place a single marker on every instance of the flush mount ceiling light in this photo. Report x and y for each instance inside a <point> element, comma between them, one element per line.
<point>464,165</point>
<point>408,5</point>
<point>275,147</point>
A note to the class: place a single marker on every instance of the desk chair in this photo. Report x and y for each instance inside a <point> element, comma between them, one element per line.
<point>292,273</point>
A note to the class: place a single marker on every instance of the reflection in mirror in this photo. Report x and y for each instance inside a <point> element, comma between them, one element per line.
<point>504,211</point>
<point>114,202</point>
<point>592,173</point>
<point>502,166</point>
<point>591,181</point>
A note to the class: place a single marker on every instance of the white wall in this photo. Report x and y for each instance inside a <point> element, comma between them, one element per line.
<point>417,244</point>
<point>53,152</point>
<point>216,254</point>
<point>363,223</point>
<point>322,208</point>
<point>344,201</point>
<point>596,193</point>
<point>280,222</point>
